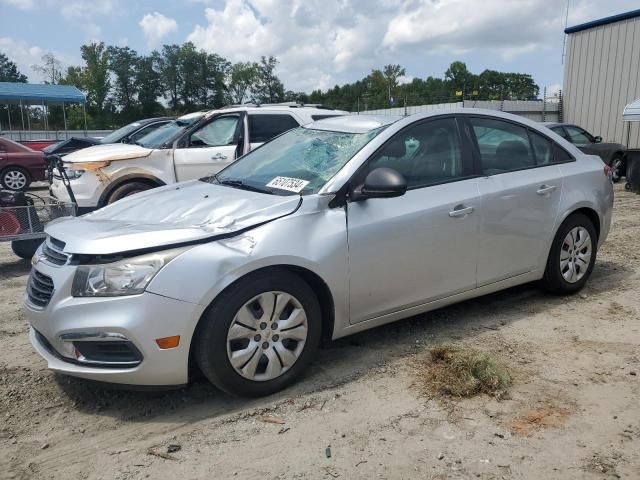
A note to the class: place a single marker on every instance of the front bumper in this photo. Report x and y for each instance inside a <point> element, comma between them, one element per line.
<point>141,319</point>
<point>87,189</point>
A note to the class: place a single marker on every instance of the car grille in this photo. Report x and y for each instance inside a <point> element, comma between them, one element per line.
<point>52,251</point>
<point>39,289</point>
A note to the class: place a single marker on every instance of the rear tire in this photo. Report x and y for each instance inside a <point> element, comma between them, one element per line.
<point>222,335</point>
<point>567,268</point>
<point>617,168</point>
<point>126,190</point>
<point>15,179</point>
<point>26,248</point>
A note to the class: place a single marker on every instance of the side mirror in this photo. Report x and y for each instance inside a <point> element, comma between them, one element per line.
<point>383,183</point>
<point>598,139</point>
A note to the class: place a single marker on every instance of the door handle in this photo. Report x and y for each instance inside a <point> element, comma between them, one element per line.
<point>545,189</point>
<point>460,211</point>
<point>219,156</point>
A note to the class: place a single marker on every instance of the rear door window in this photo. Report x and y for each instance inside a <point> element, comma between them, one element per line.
<point>503,146</point>
<point>263,128</point>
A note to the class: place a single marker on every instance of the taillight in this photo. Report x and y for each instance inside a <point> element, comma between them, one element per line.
<point>607,172</point>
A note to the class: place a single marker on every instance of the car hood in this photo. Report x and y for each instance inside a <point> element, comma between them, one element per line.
<point>170,215</point>
<point>108,152</point>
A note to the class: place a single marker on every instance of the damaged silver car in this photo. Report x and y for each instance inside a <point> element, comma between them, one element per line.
<point>329,229</point>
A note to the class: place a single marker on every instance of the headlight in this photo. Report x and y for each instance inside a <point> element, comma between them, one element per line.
<point>73,174</point>
<point>125,277</point>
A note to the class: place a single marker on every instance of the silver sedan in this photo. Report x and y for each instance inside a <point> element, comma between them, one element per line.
<point>327,230</point>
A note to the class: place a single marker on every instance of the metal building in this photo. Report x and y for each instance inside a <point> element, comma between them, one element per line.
<point>602,75</point>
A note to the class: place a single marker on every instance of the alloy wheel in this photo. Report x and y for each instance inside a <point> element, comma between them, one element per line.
<point>14,180</point>
<point>267,336</point>
<point>575,254</point>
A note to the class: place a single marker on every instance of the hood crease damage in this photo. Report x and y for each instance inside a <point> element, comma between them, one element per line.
<point>192,212</point>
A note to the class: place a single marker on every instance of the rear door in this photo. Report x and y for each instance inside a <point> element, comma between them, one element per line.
<point>264,126</point>
<point>210,147</point>
<point>521,188</point>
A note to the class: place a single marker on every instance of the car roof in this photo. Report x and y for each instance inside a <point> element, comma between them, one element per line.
<point>189,116</point>
<point>283,107</point>
<point>353,123</point>
<point>145,121</point>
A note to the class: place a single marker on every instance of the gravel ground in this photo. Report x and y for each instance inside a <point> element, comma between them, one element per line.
<point>573,411</point>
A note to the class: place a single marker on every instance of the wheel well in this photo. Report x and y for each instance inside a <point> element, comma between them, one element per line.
<point>319,287</point>
<point>151,181</point>
<point>325,299</point>
<point>591,215</point>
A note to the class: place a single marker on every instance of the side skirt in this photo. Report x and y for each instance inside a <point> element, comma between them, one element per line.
<point>443,302</point>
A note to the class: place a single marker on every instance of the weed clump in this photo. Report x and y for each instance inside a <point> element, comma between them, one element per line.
<point>456,372</point>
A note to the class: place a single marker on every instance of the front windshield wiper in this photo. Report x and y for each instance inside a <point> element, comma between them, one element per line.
<point>232,182</point>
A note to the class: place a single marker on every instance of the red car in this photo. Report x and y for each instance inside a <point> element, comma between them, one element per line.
<point>19,165</point>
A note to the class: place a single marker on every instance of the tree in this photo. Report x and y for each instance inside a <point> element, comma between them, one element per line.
<point>269,88</point>
<point>51,69</point>
<point>9,71</point>
<point>391,73</point>
<point>122,63</point>
<point>148,84</point>
<point>241,81</point>
<point>95,76</point>
<point>170,74</point>
<point>460,78</point>
<point>216,71</point>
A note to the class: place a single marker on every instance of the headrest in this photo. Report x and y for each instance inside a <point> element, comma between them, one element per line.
<point>396,148</point>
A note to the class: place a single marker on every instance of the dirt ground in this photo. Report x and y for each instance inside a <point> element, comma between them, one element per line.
<point>573,410</point>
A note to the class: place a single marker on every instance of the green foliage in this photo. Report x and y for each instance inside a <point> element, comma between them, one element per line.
<point>9,71</point>
<point>122,86</point>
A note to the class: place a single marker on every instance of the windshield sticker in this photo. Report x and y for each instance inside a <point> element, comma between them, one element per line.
<point>288,183</point>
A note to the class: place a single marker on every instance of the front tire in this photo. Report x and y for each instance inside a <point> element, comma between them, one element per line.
<point>15,179</point>
<point>259,335</point>
<point>126,190</point>
<point>572,256</point>
<point>25,249</point>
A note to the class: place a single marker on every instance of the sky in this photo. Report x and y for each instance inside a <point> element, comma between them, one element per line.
<point>319,43</point>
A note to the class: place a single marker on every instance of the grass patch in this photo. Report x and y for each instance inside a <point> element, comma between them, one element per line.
<point>455,372</point>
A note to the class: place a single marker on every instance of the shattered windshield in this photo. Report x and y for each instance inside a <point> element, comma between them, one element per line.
<point>299,162</point>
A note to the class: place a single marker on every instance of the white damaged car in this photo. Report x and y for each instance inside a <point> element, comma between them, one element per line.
<point>192,146</point>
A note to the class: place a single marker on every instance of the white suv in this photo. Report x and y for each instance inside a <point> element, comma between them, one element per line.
<point>193,146</point>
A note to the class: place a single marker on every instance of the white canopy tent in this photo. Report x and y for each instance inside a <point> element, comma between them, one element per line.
<point>631,113</point>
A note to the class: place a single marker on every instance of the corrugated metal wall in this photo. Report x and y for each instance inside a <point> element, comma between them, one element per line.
<point>602,75</point>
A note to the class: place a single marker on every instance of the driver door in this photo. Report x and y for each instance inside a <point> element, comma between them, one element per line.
<point>209,148</point>
<point>421,246</point>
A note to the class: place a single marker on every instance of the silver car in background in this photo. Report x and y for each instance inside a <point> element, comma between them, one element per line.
<point>329,229</point>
